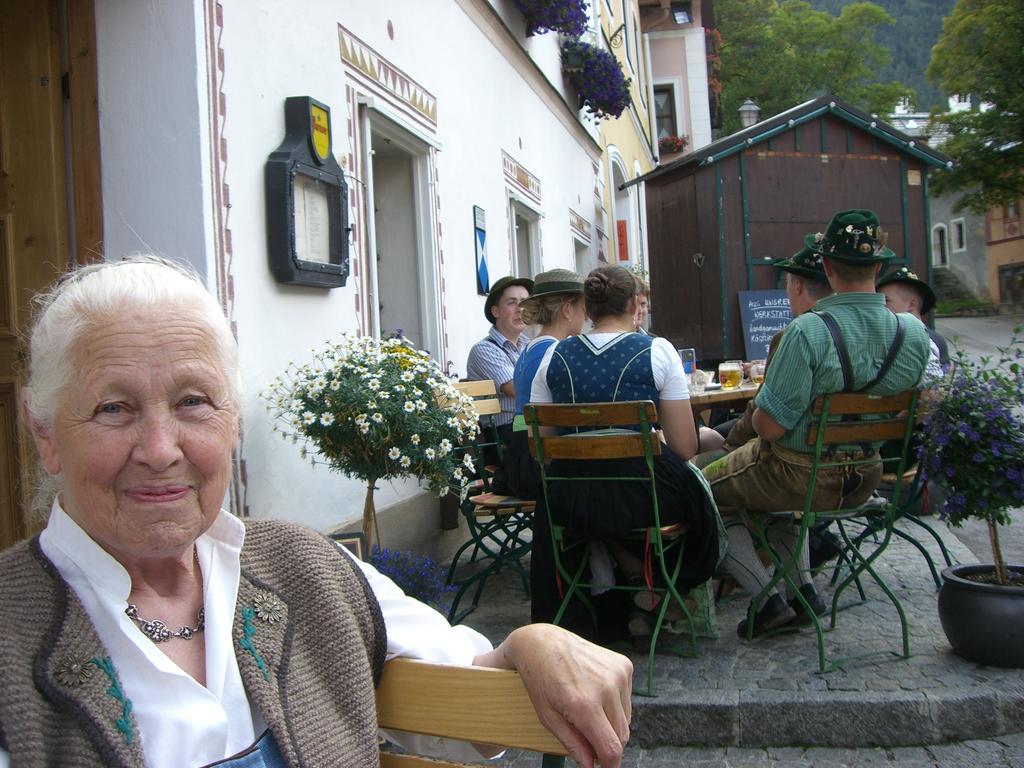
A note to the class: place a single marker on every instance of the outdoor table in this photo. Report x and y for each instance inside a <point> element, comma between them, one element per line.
<point>717,398</point>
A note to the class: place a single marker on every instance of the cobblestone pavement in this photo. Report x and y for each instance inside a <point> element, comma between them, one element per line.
<point>740,701</point>
<point>1003,752</point>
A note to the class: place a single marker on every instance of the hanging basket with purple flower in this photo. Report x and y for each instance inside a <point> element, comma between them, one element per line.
<point>566,16</point>
<point>597,76</point>
<point>973,446</point>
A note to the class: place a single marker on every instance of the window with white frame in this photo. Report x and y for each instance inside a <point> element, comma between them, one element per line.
<point>525,240</point>
<point>665,120</point>
<point>592,22</point>
<point>625,35</point>
<point>959,227</point>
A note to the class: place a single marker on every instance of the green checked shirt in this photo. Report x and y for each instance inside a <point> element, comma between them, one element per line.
<point>806,363</point>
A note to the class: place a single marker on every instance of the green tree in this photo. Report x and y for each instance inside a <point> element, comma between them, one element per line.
<point>909,41</point>
<point>781,54</point>
<point>981,53</point>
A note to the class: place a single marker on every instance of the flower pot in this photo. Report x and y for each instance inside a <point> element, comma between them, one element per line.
<point>450,512</point>
<point>983,622</point>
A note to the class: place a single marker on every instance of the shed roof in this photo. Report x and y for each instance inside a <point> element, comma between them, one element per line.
<point>803,113</point>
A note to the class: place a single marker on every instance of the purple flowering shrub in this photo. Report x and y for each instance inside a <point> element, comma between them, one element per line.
<point>603,89</point>
<point>417,575</point>
<point>566,16</point>
<point>973,445</point>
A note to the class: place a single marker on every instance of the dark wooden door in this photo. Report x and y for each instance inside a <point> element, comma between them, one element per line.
<point>33,219</point>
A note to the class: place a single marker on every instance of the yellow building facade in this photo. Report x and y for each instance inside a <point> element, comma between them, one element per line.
<point>626,142</point>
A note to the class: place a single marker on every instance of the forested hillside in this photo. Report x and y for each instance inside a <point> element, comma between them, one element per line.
<point>910,40</point>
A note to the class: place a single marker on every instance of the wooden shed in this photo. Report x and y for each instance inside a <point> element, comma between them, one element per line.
<point>718,217</point>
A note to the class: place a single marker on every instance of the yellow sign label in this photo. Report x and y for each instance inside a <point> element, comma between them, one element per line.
<point>320,131</point>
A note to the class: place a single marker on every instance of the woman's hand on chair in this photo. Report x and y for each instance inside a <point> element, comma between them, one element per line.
<point>581,691</point>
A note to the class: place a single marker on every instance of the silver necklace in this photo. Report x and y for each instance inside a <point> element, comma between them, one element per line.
<point>157,630</point>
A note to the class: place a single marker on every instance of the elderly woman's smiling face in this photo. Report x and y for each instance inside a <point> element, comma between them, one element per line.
<point>143,433</point>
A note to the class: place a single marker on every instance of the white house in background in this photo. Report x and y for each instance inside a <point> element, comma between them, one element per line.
<point>444,118</point>
<point>959,239</point>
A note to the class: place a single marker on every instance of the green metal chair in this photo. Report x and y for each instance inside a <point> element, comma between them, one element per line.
<point>905,516</point>
<point>496,522</point>
<point>842,421</point>
<point>607,431</point>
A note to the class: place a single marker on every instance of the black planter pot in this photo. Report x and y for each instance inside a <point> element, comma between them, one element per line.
<point>450,512</point>
<point>983,622</point>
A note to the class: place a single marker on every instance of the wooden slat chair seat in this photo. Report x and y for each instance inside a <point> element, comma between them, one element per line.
<point>842,420</point>
<point>607,435</point>
<point>475,704</point>
<point>497,523</point>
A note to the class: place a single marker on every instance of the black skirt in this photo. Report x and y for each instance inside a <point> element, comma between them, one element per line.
<point>519,469</point>
<point>607,509</point>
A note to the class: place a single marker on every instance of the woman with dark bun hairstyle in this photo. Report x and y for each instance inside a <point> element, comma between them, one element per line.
<point>613,363</point>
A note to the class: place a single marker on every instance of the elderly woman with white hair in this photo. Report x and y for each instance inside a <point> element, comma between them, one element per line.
<point>148,627</point>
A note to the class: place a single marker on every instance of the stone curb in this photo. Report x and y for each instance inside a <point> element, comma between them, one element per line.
<point>840,719</point>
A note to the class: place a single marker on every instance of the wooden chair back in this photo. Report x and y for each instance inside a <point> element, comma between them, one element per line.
<point>476,704</point>
<point>484,394</point>
<point>605,442</point>
<point>875,417</point>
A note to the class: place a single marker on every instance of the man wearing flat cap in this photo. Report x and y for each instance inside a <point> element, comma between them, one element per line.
<point>848,342</point>
<point>494,357</point>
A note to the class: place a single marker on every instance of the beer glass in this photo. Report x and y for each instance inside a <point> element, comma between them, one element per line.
<point>730,374</point>
<point>757,371</point>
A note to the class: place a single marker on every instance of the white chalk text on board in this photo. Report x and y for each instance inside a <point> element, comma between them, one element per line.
<point>763,314</point>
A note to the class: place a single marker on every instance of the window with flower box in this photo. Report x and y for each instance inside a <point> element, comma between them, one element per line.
<point>665,121</point>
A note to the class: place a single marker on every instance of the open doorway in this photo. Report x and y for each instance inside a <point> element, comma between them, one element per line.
<point>622,210</point>
<point>406,272</point>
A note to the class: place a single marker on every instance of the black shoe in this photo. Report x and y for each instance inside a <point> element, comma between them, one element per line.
<point>813,599</point>
<point>773,614</point>
<point>823,546</point>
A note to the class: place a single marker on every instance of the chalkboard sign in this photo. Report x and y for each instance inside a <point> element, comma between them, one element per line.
<point>763,314</point>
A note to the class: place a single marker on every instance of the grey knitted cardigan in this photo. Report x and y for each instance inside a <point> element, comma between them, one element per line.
<point>311,673</point>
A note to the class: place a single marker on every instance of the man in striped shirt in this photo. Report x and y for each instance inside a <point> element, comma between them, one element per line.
<point>494,357</point>
<point>772,472</point>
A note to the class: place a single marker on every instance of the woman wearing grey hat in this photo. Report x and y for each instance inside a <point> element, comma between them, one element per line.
<point>556,305</point>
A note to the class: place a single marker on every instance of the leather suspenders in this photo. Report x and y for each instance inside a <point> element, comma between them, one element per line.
<point>844,356</point>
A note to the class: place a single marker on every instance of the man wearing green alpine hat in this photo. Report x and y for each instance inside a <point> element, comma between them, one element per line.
<point>884,354</point>
<point>494,356</point>
<point>906,292</point>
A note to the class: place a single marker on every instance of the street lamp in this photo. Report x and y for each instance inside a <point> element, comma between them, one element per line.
<point>750,113</point>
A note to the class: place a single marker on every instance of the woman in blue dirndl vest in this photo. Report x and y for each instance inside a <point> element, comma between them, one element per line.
<point>611,363</point>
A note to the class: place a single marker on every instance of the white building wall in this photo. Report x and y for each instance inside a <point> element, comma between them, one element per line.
<point>697,75</point>
<point>153,129</point>
<point>157,63</point>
